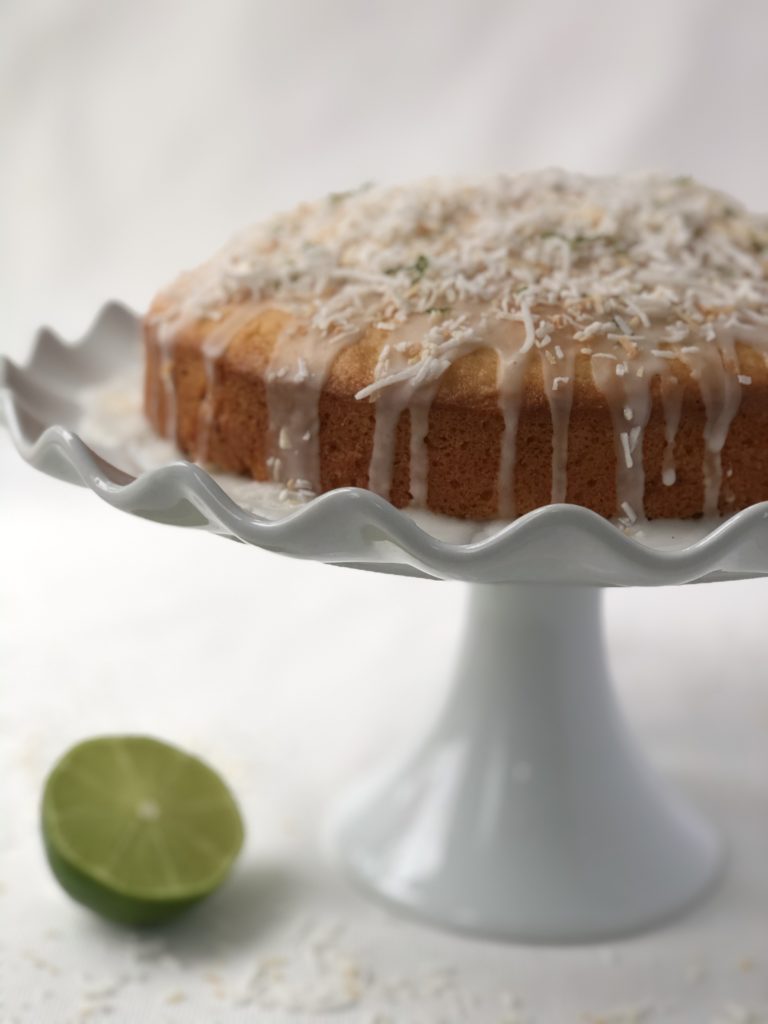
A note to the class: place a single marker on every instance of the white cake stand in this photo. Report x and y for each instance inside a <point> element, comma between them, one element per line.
<point>528,813</point>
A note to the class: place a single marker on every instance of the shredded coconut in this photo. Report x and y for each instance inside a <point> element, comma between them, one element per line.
<point>608,252</point>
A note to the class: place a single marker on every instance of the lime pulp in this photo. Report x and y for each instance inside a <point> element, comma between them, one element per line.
<point>136,829</point>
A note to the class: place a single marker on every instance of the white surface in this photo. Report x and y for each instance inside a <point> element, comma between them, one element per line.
<point>135,137</point>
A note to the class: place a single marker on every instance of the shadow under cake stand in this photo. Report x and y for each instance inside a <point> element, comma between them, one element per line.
<point>529,812</point>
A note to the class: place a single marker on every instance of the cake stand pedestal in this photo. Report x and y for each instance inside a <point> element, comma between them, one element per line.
<point>529,813</point>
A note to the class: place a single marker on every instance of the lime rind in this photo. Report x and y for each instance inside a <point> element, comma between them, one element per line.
<point>109,902</point>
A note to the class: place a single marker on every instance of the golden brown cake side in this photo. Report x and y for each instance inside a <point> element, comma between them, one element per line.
<point>465,428</point>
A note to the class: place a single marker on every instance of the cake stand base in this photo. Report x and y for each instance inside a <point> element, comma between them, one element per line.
<point>529,814</point>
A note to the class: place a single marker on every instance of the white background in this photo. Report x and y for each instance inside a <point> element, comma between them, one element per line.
<point>134,137</point>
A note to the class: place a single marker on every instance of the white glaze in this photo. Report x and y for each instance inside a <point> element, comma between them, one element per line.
<point>214,347</point>
<point>715,369</point>
<point>558,365</point>
<point>165,392</point>
<point>297,371</point>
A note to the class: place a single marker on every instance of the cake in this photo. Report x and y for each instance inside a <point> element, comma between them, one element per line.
<point>482,348</point>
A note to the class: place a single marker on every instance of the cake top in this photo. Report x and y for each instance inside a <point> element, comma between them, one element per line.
<point>638,278</point>
<point>647,258</point>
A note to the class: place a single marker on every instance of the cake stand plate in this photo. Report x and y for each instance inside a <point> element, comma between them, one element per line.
<point>529,812</point>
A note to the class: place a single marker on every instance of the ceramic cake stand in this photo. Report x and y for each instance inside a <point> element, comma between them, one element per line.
<point>528,812</point>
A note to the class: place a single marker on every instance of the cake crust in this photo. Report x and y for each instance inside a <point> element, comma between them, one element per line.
<point>465,428</point>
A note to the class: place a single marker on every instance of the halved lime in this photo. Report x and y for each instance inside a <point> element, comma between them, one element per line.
<point>136,829</point>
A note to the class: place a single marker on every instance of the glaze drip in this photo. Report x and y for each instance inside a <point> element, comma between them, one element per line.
<point>513,350</point>
<point>558,365</point>
<point>214,347</point>
<point>672,405</point>
<point>716,371</point>
<point>297,372</point>
<point>512,378</point>
<point>435,342</point>
<point>165,392</point>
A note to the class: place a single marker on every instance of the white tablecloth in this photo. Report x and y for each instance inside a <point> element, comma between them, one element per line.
<point>135,136</point>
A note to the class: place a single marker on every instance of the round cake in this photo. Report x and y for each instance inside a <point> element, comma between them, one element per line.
<point>482,348</point>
